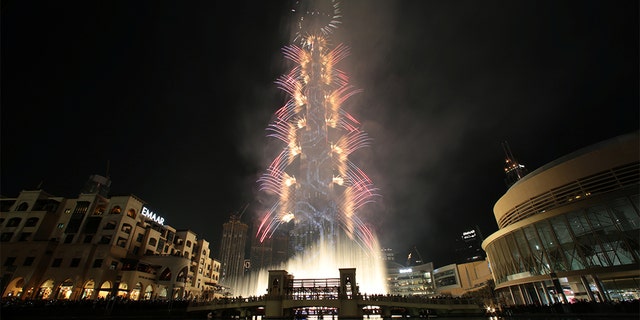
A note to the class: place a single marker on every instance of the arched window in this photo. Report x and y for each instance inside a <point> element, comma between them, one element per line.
<point>22,207</point>
<point>99,210</point>
<point>116,210</point>
<point>165,275</point>
<point>13,222</point>
<point>188,243</point>
<point>31,222</point>
<point>131,213</point>
<point>126,228</point>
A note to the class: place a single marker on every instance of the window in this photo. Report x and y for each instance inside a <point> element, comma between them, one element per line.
<point>68,238</point>
<point>105,239</point>
<point>92,224</point>
<point>82,207</point>
<point>97,263</point>
<point>6,236</point>
<point>56,263</point>
<point>99,210</point>
<point>60,225</point>
<point>188,243</point>
<point>24,236</point>
<point>9,261</point>
<point>28,261</point>
<point>131,213</point>
<point>153,242</point>
<point>116,210</point>
<point>114,265</point>
<point>67,211</point>
<point>31,222</point>
<point>13,222</point>
<point>22,207</point>
<point>126,228</point>
<point>110,225</point>
<point>122,242</point>
<point>75,262</point>
<point>140,237</point>
<point>135,250</point>
<point>88,238</point>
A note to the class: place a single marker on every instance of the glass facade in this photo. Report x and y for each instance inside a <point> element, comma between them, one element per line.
<point>603,235</point>
<point>584,249</point>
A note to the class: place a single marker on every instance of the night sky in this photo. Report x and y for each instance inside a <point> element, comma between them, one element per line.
<point>171,99</point>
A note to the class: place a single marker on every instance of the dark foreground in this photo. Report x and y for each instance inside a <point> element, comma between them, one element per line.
<point>177,309</point>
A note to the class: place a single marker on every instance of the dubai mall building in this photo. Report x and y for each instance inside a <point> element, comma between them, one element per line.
<point>570,230</point>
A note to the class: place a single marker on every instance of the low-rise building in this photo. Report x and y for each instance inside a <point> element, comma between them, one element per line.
<point>95,246</point>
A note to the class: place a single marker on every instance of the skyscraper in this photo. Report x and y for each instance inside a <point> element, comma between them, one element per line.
<point>315,194</point>
<point>317,189</point>
<point>232,249</point>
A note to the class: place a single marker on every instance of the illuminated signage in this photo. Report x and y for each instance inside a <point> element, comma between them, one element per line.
<point>469,234</point>
<point>405,270</point>
<point>152,216</point>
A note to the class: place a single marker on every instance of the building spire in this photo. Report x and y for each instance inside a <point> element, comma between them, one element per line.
<point>512,168</point>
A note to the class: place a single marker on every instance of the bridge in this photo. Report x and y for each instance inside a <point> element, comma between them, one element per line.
<point>289,298</point>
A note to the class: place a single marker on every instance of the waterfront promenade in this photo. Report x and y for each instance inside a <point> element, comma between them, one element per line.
<point>177,309</point>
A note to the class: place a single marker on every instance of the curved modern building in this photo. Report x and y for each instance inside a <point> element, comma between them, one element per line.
<point>570,230</point>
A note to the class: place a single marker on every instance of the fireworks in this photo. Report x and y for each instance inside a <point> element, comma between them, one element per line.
<point>317,187</point>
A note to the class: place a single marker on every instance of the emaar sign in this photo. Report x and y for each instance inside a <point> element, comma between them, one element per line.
<point>152,216</point>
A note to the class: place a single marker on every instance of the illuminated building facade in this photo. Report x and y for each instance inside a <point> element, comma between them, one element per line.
<point>413,280</point>
<point>570,230</point>
<point>95,246</point>
<point>461,279</point>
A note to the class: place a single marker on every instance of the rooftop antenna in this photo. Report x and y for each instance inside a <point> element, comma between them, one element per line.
<point>243,210</point>
<point>514,170</point>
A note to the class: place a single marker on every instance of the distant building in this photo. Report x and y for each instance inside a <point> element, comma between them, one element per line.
<point>273,251</point>
<point>457,280</point>
<point>95,246</point>
<point>469,246</point>
<point>413,280</point>
<point>232,250</point>
<point>570,230</point>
